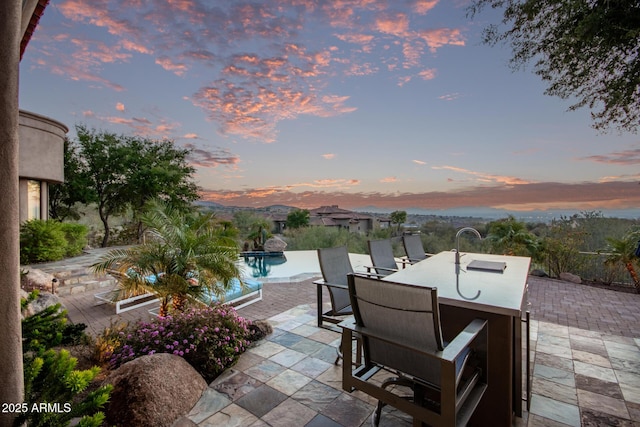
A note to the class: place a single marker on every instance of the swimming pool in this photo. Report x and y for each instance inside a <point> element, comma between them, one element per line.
<point>293,266</point>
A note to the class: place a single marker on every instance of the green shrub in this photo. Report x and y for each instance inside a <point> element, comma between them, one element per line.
<point>52,379</point>
<point>48,328</point>
<point>41,241</point>
<point>210,339</point>
<point>55,393</point>
<point>76,238</point>
<point>311,238</point>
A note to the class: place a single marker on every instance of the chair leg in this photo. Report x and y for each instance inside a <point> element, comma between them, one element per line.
<point>528,358</point>
<point>339,350</point>
<point>375,417</point>
<point>358,360</point>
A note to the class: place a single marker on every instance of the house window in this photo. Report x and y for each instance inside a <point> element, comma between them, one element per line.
<point>33,199</point>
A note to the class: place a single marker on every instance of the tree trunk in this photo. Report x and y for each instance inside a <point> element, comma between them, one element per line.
<point>140,231</point>
<point>105,223</point>
<point>634,275</point>
<point>164,307</point>
<point>179,302</point>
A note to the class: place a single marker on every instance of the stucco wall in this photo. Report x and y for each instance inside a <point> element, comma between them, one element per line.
<point>41,148</point>
<point>41,152</point>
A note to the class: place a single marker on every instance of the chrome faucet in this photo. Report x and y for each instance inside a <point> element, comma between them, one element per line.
<point>462,230</point>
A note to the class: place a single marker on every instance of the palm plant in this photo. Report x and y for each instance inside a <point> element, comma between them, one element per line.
<point>186,255</point>
<point>623,251</point>
<point>511,237</point>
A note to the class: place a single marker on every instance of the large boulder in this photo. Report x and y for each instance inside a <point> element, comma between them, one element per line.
<point>42,301</point>
<point>274,244</point>
<point>37,279</point>
<point>568,277</point>
<point>153,390</point>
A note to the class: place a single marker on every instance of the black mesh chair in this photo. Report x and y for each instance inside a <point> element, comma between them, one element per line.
<point>399,326</point>
<point>381,252</point>
<point>335,266</point>
<point>413,247</point>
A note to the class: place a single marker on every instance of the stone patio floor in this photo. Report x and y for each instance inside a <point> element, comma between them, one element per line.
<point>585,352</point>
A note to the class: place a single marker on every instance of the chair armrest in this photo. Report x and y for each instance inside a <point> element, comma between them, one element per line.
<point>369,268</point>
<point>449,354</point>
<point>333,285</point>
<point>463,339</point>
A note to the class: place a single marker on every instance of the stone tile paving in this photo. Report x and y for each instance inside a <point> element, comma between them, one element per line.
<point>571,386</point>
<point>585,353</point>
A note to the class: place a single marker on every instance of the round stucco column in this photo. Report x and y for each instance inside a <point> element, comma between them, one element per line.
<point>12,388</point>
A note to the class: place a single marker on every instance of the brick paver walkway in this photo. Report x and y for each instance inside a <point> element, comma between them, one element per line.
<point>553,301</point>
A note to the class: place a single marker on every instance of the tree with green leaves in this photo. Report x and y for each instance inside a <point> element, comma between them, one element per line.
<point>105,160</point>
<point>298,218</point>
<point>159,170</point>
<point>585,50</point>
<point>126,172</point>
<point>76,188</point>
<point>398,217</point>
<point>188,255</point>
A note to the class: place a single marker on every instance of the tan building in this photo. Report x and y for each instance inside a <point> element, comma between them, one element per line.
<point>41,162</point>
<point>333,216</point>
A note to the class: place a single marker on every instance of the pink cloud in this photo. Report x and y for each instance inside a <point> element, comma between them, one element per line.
<point>161,129</point>
<point>423,6</point>
<point>485,177</point>
<point>362,39</point>
<point>396,24</point>
<point>206,158</point>
<point>449,97</point>
<point>258,62</point>
<point>120,106</point>
<point>436,38</point>
<point>178,69</point>
<point>625,158</point>
<point>428,74</point>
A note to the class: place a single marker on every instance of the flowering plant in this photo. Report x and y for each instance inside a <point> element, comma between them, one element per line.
<point>211,339</point>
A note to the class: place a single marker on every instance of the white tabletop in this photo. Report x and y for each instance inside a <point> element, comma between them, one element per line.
<point>500,292</point>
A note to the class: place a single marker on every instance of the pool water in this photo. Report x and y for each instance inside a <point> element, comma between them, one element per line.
<point>293,266</point>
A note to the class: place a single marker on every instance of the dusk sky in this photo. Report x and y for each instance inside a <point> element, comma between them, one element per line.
<point>395,104</point>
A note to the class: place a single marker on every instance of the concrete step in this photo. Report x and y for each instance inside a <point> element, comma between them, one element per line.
<point>87,284</point>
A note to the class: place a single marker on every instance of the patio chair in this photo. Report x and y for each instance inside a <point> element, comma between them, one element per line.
<point>335,267</point>
<point>399,325</point>
<point>381,252</point>
<point>413,247</point>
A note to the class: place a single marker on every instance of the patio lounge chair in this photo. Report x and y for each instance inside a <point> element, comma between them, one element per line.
<point>122,299</point>
<point>399,325</point>
<point>413,247</point>
<point>381,252</point>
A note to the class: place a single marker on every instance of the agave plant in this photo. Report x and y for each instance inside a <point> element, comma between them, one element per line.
<point>186,255</point>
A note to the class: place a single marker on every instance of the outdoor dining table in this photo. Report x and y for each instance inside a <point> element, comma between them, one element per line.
<point>491,287</point>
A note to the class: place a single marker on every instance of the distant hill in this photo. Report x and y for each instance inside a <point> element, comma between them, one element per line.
<point>207,204</point>
<point>484,213</point>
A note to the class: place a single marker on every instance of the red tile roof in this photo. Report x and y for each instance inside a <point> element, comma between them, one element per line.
<point>33,23</point>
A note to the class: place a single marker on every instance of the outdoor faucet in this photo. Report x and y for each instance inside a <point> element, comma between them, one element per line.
<point>462,230</point>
